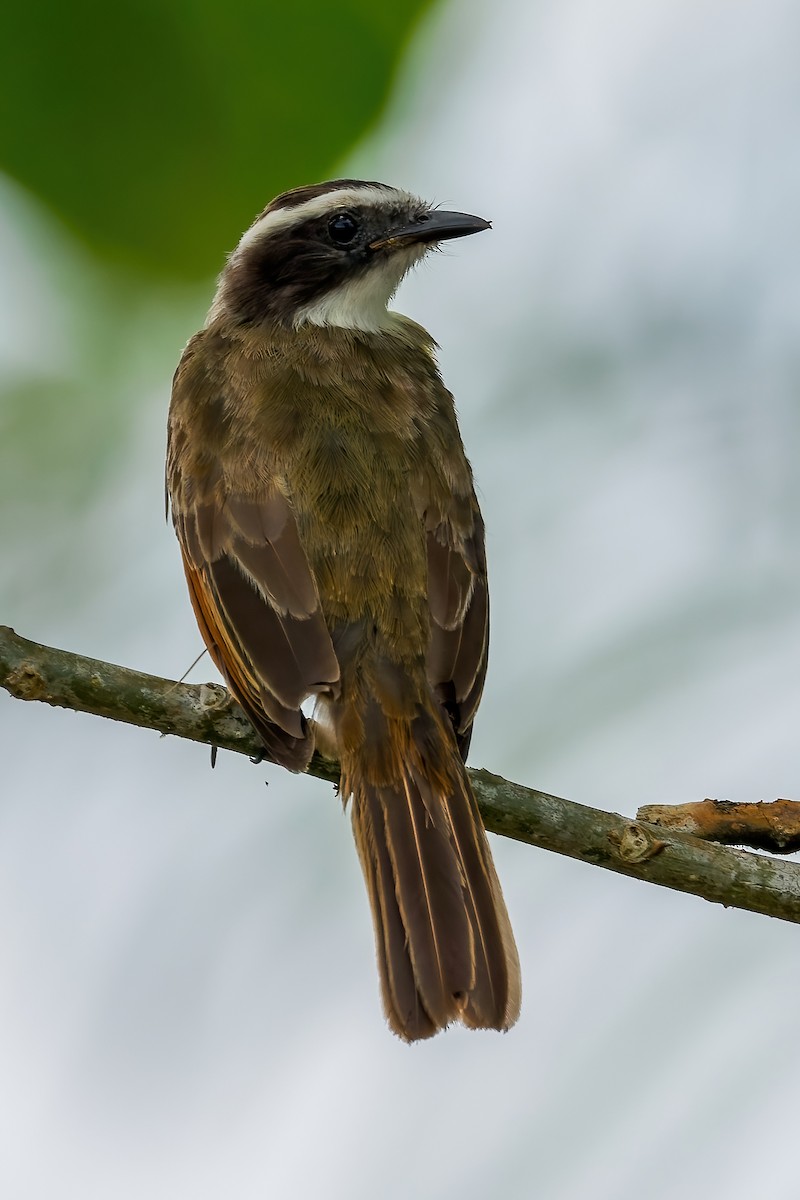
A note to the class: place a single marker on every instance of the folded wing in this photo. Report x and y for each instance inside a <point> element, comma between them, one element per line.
<point>258,610</point>
<point>458,597</point>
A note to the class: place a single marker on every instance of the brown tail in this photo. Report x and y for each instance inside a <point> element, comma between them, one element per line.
<point>444,942</point>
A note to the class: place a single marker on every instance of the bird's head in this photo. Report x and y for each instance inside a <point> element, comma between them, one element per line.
<point>332,254</point>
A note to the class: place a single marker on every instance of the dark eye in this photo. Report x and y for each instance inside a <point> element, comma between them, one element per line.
<point>343,228</point>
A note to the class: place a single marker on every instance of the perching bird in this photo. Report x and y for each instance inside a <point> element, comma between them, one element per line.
<point>334,550</point>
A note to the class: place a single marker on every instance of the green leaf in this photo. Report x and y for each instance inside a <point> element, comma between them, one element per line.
<point>158,129</point>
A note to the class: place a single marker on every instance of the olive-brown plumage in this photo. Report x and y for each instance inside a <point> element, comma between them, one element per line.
<point>333,548</point>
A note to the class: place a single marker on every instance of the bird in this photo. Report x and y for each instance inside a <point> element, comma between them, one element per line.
<point>334,552</point>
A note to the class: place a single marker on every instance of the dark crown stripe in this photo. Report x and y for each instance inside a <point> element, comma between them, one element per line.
<point>311,191</point>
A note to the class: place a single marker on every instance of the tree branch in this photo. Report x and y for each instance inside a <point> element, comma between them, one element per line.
<point>773,825</point>
<point>206,713</point>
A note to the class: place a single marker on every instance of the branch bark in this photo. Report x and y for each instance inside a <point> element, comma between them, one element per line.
<point>772,825</point>
<point>206,713</point>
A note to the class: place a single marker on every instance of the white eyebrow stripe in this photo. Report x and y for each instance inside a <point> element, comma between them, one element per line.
<point>283,218</point>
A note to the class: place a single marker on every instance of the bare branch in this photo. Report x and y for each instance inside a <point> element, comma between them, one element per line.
<point>773,825</point>
<point>206,713</point>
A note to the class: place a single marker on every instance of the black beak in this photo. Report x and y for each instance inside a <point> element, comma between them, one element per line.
<point>435,226</point>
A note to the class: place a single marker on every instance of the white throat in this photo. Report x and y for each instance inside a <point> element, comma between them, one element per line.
<point>362,303</point>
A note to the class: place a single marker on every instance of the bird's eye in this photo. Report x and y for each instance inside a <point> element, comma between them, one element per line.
<point>343,228</point>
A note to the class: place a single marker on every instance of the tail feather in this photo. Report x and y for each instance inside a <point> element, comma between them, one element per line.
<point>444,942</point>
<point>429,888</point>
<point>494,1002</point>
<point>404,1011</point>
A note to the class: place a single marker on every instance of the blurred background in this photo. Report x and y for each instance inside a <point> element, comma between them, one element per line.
<point>188,998</point>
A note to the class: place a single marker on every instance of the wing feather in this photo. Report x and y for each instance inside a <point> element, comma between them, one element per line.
<point>258,610</point>
<point>458,597</point>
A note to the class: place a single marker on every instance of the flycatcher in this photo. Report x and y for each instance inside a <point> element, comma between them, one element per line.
<point>334,551</point>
